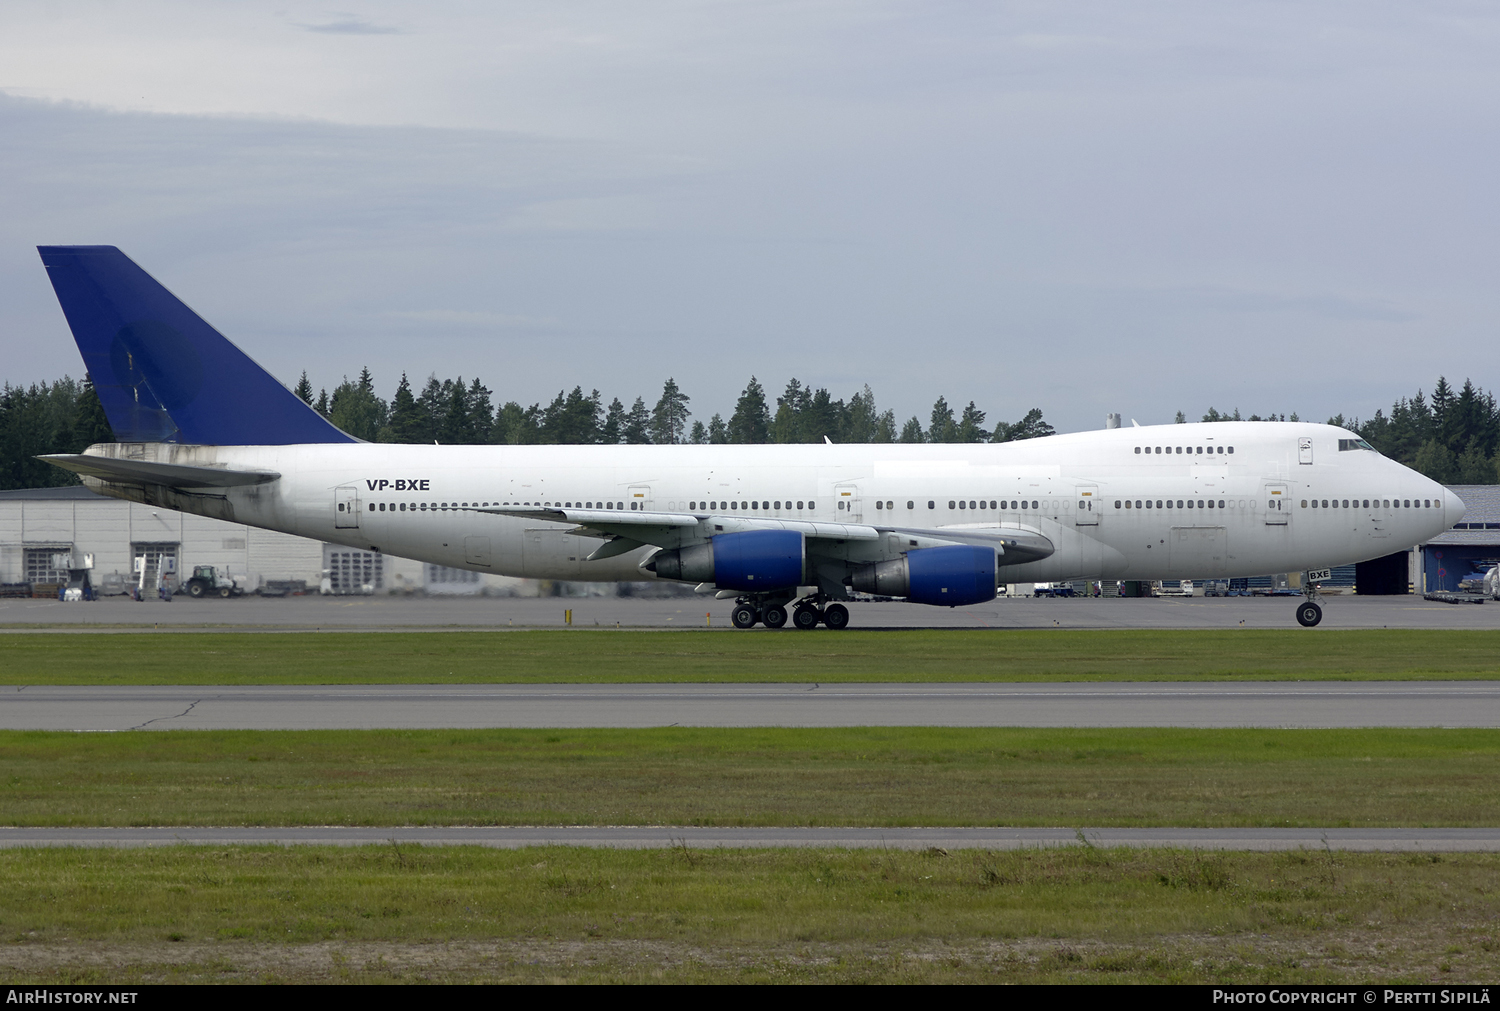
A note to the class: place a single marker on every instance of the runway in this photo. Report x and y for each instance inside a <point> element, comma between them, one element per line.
<point>1426,840</point>
<point>388,613</point>
<point>1077,704</point>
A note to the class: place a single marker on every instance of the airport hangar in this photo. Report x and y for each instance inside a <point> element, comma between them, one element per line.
<point>39,525</point>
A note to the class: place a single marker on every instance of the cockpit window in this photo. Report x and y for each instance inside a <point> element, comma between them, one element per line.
<point>1345,445</point>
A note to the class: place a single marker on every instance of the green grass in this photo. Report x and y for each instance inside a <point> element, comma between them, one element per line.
<point>243,914</point>
<point>647,656</point>
<point>763,776</point>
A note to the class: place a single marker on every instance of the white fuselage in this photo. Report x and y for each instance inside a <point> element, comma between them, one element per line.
<point>1164,502</point>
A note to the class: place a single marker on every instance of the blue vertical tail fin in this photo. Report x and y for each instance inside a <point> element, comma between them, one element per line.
<point>161,372</point>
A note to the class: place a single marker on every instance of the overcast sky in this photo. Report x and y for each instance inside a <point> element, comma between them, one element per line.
<point>1084,207</point>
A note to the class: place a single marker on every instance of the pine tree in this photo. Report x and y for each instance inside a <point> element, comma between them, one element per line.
<point>304,389</point>
<point>718,432</point>
<point>457,429</point>
<point>572,420</point>
<point>699,435</point>
<point>669,418</point>
<point>481,412</point>
<point>786,426</point>
<point>638,424</point>
<point>885,428</point>
<point>912,430</point>
<point>822,418</point>
<point>971,426</point>
<point>517,426</point>
<point>1436,461</point>
<point>1030,427</point>
<point>942,428</point>
<point>1473,466</point>
<point>355,409</point>
<point>92,425</point>
<point>407,423</point>
<point>432,403</point>
<point>751,421</point>
<point>613,429</point>
<point>860,418</point>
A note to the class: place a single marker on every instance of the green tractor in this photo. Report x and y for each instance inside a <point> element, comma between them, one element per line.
<point>207,581</point>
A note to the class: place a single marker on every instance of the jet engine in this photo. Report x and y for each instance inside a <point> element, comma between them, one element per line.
<point>752,560</point>
<point>951,575</point>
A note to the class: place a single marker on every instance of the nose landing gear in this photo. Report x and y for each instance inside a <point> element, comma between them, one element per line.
<point>1310,612</point>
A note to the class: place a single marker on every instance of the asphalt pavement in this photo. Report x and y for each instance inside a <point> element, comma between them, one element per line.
<point>1320,704</point>
<point>386,613</point>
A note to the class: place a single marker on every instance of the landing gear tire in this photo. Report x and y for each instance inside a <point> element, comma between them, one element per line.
<point>1309,614</point>
<point>774,616</point>
<point>744,616</point>
<point>806,617</point>
<point>836,616</point>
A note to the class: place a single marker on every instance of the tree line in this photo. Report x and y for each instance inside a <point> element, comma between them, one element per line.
<point>455,412</point>
<point>1453,437</point>
<point>1450,437</point>
<point>60,417</point>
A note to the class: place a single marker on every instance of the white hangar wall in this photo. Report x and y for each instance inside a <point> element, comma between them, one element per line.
<point>111,530</point>
<point>38,521</point>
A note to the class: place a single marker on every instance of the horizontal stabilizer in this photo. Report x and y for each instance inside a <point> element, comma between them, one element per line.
<point>171,475</point>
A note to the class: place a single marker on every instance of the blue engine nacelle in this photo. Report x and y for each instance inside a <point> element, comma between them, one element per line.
<point>752,561</point>
<point>951,575</point>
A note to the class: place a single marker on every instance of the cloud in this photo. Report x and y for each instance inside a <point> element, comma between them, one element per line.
<point>350,24</point>
<point>468,318</point>
<point>1326,305</point>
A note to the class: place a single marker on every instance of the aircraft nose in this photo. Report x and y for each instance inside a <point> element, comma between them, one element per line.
<point>1453,507</point>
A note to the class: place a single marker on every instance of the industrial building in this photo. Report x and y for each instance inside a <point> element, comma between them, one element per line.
<point>41,527</point>
<point>1470,548</point>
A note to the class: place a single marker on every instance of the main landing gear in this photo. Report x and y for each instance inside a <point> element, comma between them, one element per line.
<point>806,615</point>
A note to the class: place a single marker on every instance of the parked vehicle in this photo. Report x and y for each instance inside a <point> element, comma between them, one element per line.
<point>207,580</point>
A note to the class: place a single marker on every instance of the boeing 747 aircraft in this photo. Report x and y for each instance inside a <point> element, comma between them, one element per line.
<point>787,531</point>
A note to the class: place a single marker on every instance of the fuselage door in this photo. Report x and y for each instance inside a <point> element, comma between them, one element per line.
<point>345,506</point>
<point>1278,504</point>
<point>847,506</point>
<point>1304,451</point>
<point>639,496</point>
<point>1088,506</point>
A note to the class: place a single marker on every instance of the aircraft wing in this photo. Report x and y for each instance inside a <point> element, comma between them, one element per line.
<point>628,530</point>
